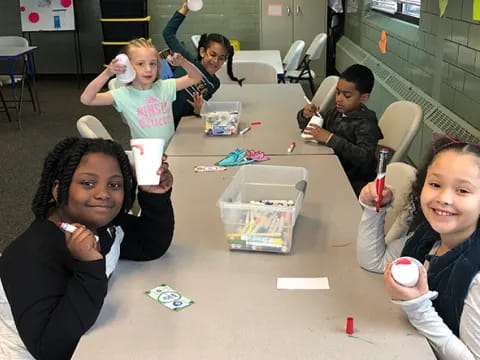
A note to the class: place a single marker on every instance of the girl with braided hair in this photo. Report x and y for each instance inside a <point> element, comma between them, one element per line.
<point>213,50</point>
<point>53,282</point>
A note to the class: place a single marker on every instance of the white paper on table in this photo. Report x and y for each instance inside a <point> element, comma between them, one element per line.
<point>313,283</point>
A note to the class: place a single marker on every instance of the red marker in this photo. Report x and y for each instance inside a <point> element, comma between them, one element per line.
<point>349,328</point>
<point>255,123</point>
<point>380,181</point>
<point>291,147</point>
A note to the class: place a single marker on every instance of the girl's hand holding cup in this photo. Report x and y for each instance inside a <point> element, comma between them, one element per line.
<point>403,293</point>
<point>166,179</point>
<point>116,67</point>
<point>368,195</point>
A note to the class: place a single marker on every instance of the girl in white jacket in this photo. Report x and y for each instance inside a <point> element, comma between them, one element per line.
<point>441,230</point>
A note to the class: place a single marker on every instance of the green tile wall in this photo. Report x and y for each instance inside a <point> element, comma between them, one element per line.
<point>235,19</point>
<point>450,43</point>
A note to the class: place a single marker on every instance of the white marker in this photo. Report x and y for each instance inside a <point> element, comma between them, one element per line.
<point>70,228</point>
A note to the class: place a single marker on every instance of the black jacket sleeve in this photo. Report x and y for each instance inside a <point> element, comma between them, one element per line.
<point>149,235</point>
<point>54,299</point>
<point>362,151</point>
<point>170,36</point>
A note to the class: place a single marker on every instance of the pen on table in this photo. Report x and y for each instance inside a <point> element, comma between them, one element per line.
<point>380,181</point>
<point>310,103</point>
<point>291,147</point>
<point>244,131</point>
<point>71,228</point>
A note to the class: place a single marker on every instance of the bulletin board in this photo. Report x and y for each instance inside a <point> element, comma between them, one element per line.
<point>47,15</point>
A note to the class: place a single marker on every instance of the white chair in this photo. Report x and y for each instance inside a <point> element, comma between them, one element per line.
<point>253,72</point>
<point>292,58</point>
<point>195,40</point>
<point>91,128</point>
<point>113,83</point>
<point>18,41</point>
<point>325,93</point>
<point>314,52</point>
<point>400,177</point>
<point>399,123</point>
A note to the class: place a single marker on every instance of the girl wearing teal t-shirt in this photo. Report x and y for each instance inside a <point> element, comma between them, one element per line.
<point>146,102</point>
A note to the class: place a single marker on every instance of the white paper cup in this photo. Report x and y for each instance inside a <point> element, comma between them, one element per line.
<point>194,5</point>
<point>317,120</point>
<point>147,154</point>
<point>405,271</point>
<point>129,74</point>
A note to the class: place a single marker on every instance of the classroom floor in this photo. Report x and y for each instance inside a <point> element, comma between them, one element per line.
<point>22,151</point>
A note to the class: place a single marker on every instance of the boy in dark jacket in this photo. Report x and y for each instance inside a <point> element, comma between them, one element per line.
<point>349,127</point>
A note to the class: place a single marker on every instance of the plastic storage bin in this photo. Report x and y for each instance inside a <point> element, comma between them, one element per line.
<point>251,207</point>
<point>221,117</point>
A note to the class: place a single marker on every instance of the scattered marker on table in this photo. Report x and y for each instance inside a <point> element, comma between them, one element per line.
<point>349,327</point>
<point>244,131</point>
<point>291,147</point>
<point>253,123</point>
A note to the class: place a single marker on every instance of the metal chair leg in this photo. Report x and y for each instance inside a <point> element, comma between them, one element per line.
<point>5,106</point>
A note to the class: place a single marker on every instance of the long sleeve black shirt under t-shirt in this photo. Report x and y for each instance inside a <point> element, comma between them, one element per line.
<point>209,84</point>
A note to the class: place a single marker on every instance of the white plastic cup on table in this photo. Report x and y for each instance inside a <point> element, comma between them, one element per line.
<point>147,154</point>
<point>194,5</point>
<point>406,271</point>
<point>129,74</point>
<point>317,120</point>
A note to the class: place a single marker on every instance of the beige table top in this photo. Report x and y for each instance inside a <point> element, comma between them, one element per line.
<point>239,314</point>
<point>271,57</point>
<point>275,105</point>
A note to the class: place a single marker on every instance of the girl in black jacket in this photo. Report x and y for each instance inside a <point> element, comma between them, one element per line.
<point>55,281</point>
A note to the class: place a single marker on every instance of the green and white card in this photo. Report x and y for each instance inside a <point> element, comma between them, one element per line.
<point>169,297</point>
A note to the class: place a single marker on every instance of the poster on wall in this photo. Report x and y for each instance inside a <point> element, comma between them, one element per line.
<point>47,15</point>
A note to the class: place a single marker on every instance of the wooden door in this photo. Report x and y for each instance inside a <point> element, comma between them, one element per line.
<point>276,25</point>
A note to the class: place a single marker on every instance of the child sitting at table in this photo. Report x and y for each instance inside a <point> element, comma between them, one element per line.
<point>55,281</point>
<point>440,228</point>
<point>146,102</point>
<point>349,128</point>
<point>213,50</point>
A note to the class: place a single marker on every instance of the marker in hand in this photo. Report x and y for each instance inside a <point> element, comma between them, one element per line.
<point>70,228</point>
<point>380,181</point>
<point>310,103</point>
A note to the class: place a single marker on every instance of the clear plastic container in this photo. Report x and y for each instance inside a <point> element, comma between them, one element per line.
<point>260,206</point>
<point>221,117</point>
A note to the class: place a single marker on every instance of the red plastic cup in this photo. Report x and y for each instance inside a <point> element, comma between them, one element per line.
<point>349,328</point>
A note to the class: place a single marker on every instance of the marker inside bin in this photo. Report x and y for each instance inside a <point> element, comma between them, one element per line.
<point>260,206</point>
<point>221,117</point>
